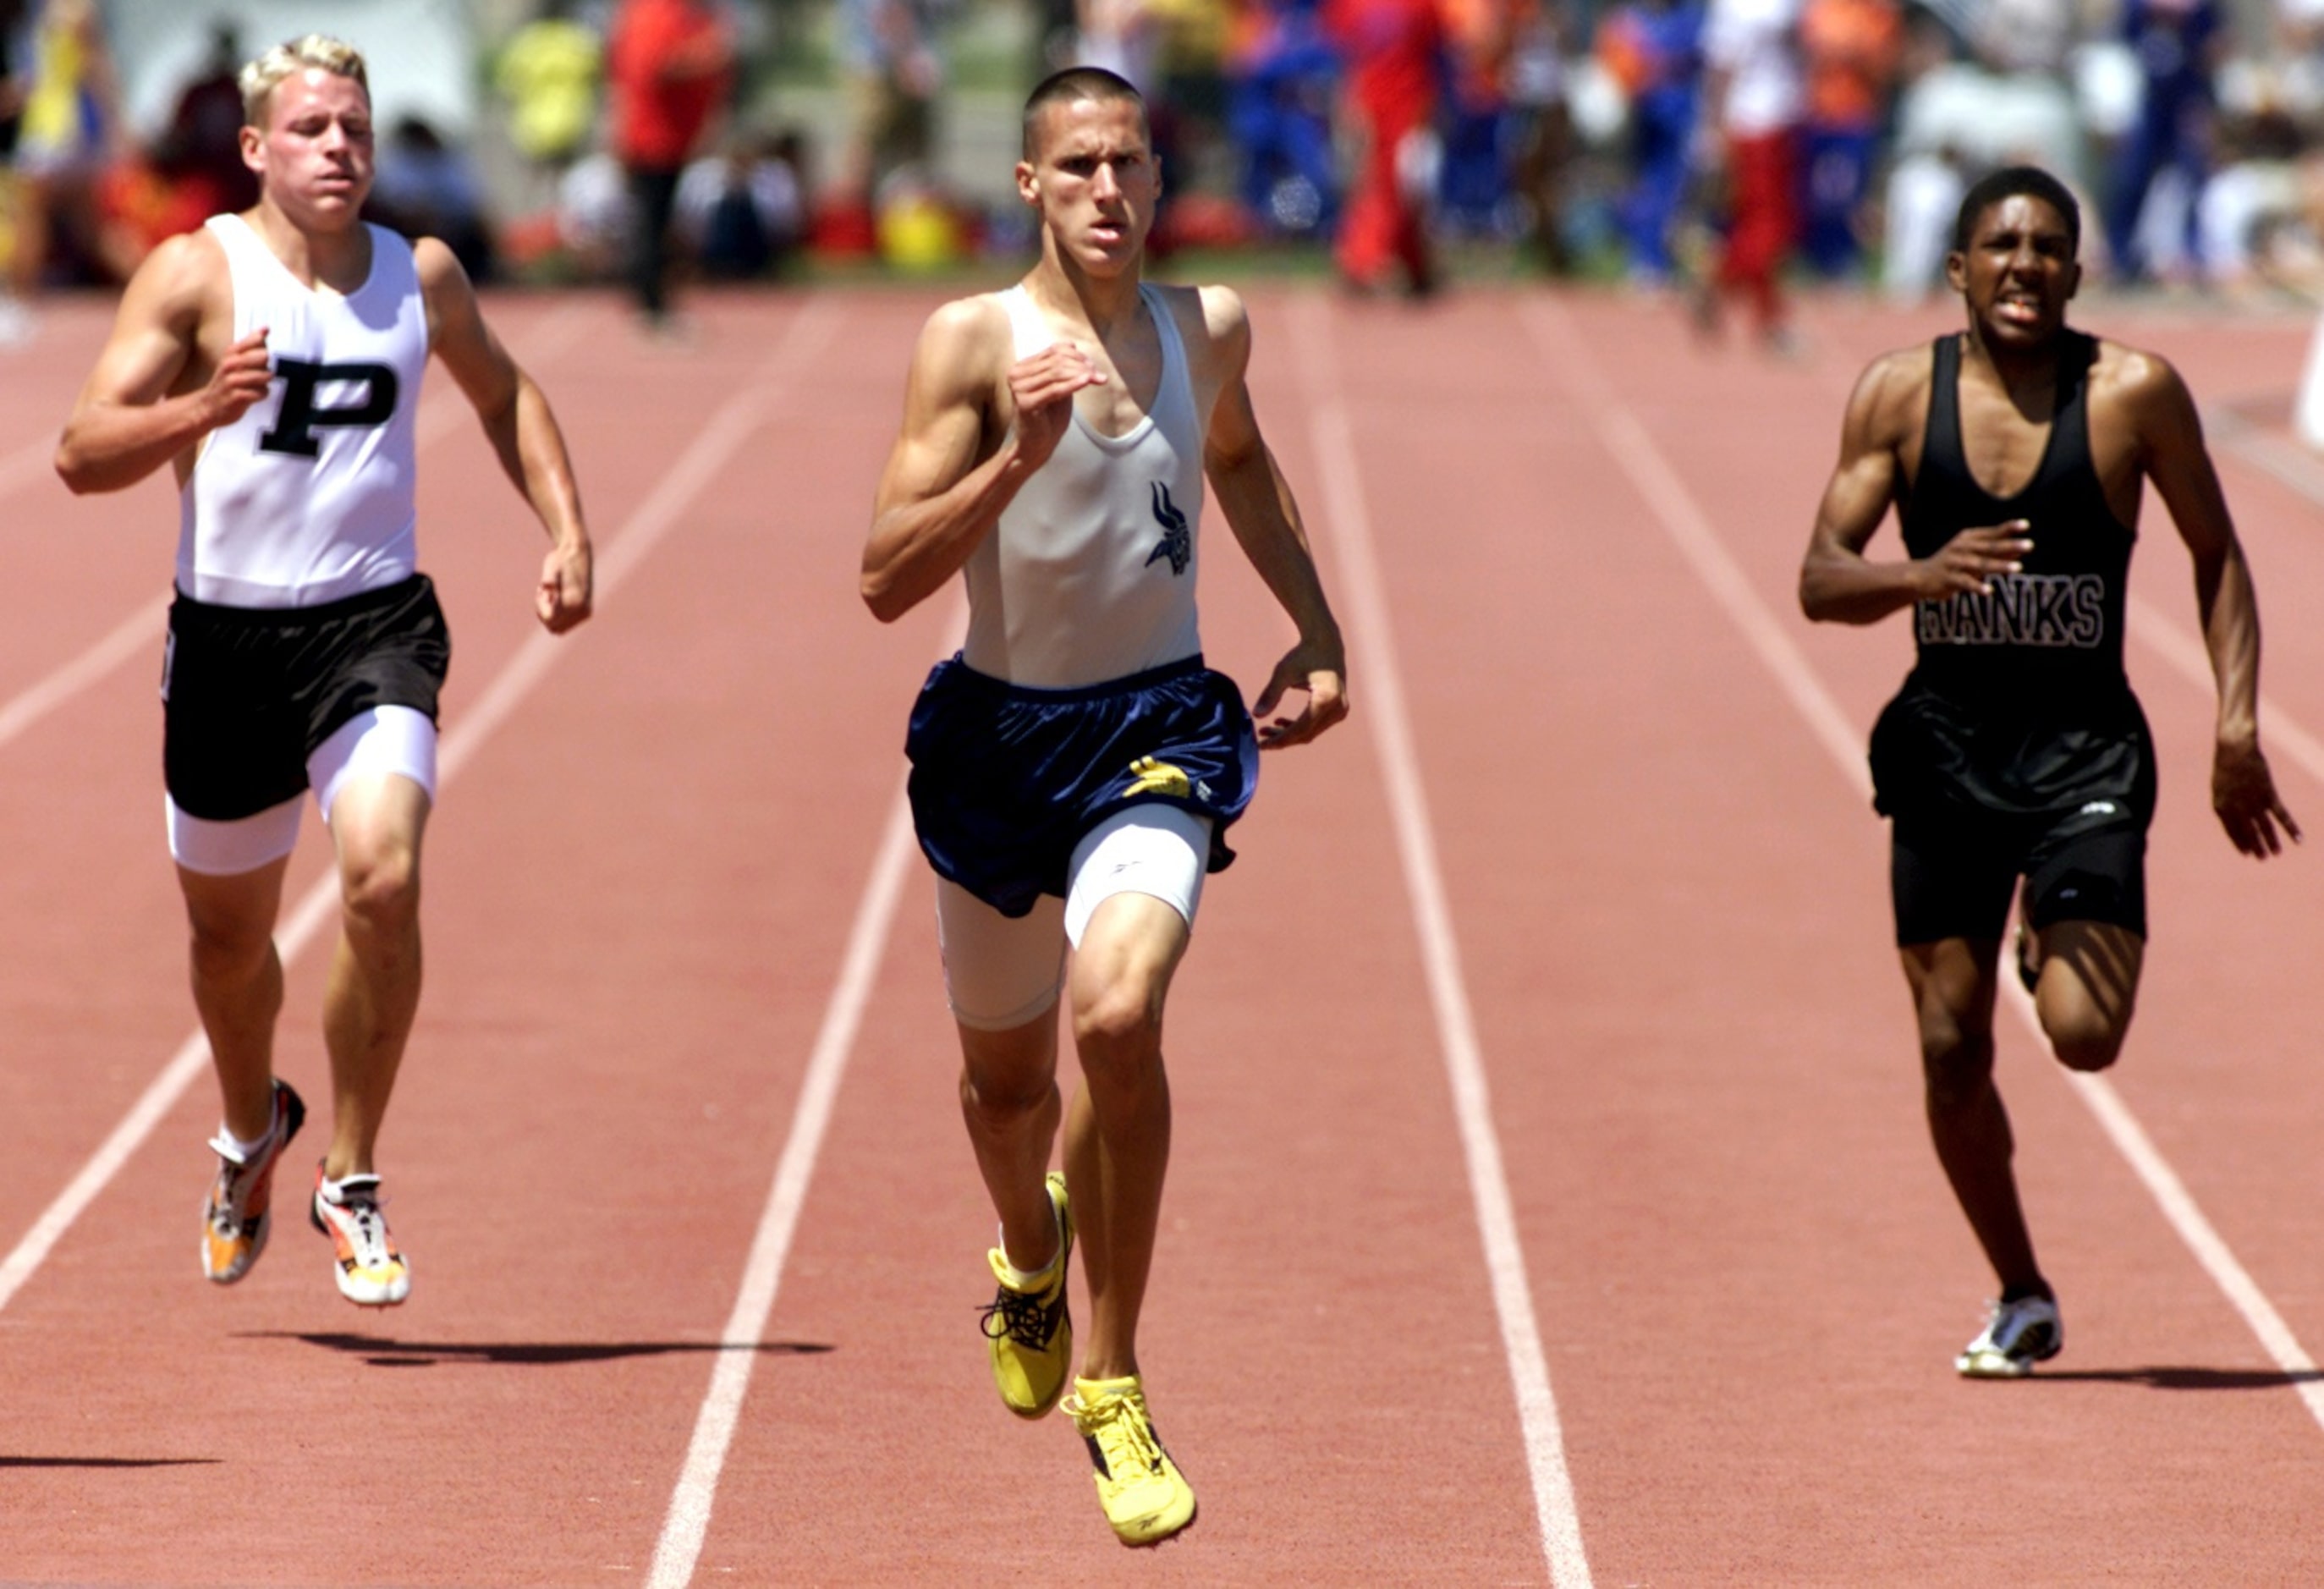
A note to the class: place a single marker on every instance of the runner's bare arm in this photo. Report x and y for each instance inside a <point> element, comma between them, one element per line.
<point>2172,452</point>
<point>139,410</point>
<point>522,426</point>
<point>1260,509</point>
<point>941,493</point>
<point>1838,583</point>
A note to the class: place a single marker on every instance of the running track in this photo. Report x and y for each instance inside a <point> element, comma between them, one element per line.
<point>1551,1201</point>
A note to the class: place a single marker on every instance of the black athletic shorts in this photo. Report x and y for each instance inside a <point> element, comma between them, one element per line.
<point>249,693</point>
<point>1005,781</point>
<point>1952,876</point>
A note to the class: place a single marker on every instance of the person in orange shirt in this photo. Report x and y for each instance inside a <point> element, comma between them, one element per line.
<point>669,65</point>
<point>1850,50</point>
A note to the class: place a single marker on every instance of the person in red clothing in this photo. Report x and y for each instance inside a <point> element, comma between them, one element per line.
<point>1749,136</point>
<point>669,66</point>
<point>1394,51</point>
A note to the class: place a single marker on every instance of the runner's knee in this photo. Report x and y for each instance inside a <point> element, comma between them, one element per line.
<point>2083,1041</point>
<point>1956,1058</point>
<point>379,885</point>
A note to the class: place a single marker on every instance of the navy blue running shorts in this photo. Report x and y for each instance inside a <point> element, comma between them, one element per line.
<point>1006,779</point>
<point>248,693</point>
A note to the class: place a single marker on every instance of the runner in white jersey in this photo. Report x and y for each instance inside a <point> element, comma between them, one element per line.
<point>273,361</point>
<point>1074,770</point>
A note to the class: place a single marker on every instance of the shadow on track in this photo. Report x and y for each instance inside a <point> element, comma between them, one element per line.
<point>2185,1379</point>
<point>385,1352</point>
<point>110,1461</point>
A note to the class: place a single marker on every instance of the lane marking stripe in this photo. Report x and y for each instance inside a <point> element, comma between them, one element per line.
<point>687,1522</point>
<point>1683,520</point>
<point>639,534</point>
<point>1346,513</point>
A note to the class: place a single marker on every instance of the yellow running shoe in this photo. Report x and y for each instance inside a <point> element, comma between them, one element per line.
<point>1031,1332</point>
<point>1145,1496</point>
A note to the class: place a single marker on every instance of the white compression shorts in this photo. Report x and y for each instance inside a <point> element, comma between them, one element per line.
<point>1001,973</point>
<point>382,740</point>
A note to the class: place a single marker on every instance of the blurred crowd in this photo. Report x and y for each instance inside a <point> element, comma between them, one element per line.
<point>1718,148</point>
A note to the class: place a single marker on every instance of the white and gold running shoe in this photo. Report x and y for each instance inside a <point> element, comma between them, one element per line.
<point>371,1271</point>
<point>2018,1335</point>
<point>236,1221</point>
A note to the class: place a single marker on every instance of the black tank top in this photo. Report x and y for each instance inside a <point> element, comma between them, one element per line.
<point>2018,704</point>
<point>2048,641</point>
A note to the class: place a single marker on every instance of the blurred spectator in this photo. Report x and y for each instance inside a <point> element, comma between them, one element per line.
<point>888,58</point>
<point>1540,137</point>
<point>1653,49</point>
<point>549,72</point>
<point>204,137</point>
<point>1123,36</point>
<point>1475,120</point>
<point>742,212</point>
<point>15,318</point>
<point>2177,44</point>
<point>426,188</point>
<point>669,66</point>
<point>1394,51</point>
<point>1850,50</point>
<point>1280,69</point>
<point>71,129</point>
<point>1924,193</point>
<point>594,217</point>
<point>1751,113</point>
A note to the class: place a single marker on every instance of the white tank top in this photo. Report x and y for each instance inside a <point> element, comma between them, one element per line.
<point>1090,574</point>
<point>309,496</point>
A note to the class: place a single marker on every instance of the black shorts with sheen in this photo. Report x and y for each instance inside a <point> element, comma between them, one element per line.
<point>249,693</point>
<point>1951,876</point>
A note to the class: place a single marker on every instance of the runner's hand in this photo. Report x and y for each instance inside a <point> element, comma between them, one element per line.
<point>1044,386</point>
<point>566,584</point>
<point>1322,674</point>
<point>2242,792</point>
<point>1968,563</point>
<point>240,380</point>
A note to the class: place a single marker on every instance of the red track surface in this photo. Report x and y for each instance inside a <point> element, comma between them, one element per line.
<point>1669,903</point>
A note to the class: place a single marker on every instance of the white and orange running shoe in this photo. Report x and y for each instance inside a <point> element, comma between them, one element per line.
<point>234,1222</point>
<point>371,1272</point>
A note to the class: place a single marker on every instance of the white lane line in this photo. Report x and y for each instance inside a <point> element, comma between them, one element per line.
<point>1655,481</point>
<point>1350,521</point>
<point>712,447</point>
<point>27,464</point>
<point>137,634</point>
<point>134,634</point>
<point>687,1521</point>
<point>2278,455</point>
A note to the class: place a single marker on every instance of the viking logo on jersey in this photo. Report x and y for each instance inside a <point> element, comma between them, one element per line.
<point>1177,541</point>
<point>1153,777</point>
<point>294,427</point>
<point>2022,609</point>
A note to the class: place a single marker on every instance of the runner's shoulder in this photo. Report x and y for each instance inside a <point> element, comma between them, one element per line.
<point>967,343</point>
<point>1891,400</point>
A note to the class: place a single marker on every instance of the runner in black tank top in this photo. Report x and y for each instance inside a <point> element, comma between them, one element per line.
<point>2018,706</point>
<point>2014,749</point>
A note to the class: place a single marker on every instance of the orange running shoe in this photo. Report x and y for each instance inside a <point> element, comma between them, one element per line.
<point>371,1272</point>
<point>234,1222</point>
